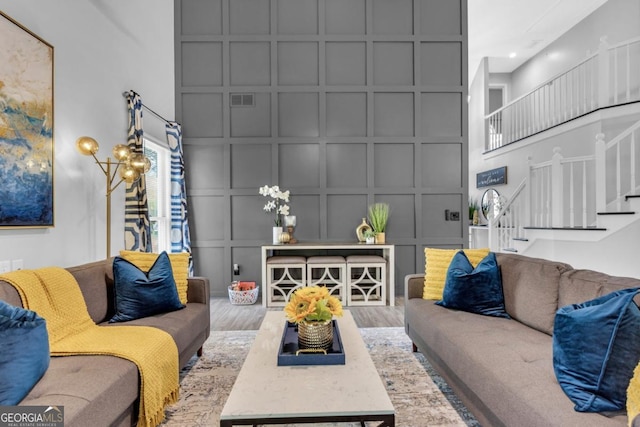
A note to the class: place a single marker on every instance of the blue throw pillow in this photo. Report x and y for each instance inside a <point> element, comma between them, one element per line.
<point>596,346</point>
<point>140,294</point>
<point>476,290</point>
<point>24,352</point>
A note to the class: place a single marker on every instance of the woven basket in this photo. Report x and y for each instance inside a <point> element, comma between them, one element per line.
<point>315,335</point>
<point>243,297</point>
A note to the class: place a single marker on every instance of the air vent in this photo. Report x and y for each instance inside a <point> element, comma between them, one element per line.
<point>242,100</point>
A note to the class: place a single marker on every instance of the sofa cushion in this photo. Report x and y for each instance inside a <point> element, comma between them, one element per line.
<point>25,352</point>
<point>577,286</point>
<point>476,290</point>
<point>499,364</point>
<point>596,346</point>
<point>530,287</point>
<point>179,264</point>
<point>437,264</point>
<point>94,390</point>
<point>140,294</point>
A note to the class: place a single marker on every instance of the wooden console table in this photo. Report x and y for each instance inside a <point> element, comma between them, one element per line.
<point>324,248</point>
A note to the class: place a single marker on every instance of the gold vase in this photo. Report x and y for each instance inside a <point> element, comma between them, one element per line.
<point>315,335</point>
<point>361,229</point>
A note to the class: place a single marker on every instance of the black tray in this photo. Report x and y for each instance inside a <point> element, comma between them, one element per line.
<point>289,347</point>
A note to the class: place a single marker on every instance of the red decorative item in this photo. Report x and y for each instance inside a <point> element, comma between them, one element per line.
<point>246,286</point>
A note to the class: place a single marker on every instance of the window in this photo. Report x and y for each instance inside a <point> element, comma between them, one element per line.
<point>159,195</point>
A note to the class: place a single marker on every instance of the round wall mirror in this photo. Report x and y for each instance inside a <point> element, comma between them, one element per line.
<point>490,204</point>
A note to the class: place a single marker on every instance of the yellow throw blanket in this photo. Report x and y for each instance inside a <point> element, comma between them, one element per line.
<point>55,295</point>
<point>633,396</point>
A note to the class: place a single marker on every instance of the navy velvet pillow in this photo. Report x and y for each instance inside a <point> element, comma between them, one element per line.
<point>140,294</point>
<point>476,290</point>
<point>596,346</point>
<point>24,352</point>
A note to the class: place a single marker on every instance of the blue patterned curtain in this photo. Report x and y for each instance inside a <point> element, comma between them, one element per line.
<point>180,238</point>
<point>137,231</point>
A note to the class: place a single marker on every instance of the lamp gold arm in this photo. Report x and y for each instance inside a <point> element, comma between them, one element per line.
<point>128,172</point>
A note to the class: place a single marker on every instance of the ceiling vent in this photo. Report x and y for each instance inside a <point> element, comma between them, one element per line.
<point>243,100</point>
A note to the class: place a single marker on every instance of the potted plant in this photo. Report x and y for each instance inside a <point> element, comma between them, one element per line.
<point>378,217</point>
<point>312,308</point>
<point>277,206</point>
<point>369,237</point>
<point>473,211</point>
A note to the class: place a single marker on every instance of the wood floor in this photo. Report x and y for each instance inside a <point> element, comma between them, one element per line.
<point>228,317</point>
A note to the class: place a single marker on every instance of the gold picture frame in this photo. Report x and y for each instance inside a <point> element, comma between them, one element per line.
<point>26,128</point>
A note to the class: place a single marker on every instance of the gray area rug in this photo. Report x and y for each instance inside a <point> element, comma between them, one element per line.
<point>419,395</point>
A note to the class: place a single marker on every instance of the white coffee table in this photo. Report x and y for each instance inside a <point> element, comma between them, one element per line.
<point>265,393</point>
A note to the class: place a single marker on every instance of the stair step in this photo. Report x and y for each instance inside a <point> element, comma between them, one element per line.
<point>617,213</point>
<point>566,228</point>
<point>520,239</point>
<point>509,250</point>
<point>632,196</point>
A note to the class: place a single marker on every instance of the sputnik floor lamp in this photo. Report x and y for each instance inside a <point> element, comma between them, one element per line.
<point>130,166</point>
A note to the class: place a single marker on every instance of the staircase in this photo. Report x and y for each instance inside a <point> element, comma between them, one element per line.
<point>581,204</point>
<point>581,210</point>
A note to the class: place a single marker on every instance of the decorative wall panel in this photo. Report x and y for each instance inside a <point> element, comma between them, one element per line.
<point>346,165</point>
<point>204,64</point>
<point>349,102</point>
<point>249,64</point>
<point>256,22</point>
<point>346,114</point>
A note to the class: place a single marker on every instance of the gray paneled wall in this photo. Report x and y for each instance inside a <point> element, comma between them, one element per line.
<point>352,102</point>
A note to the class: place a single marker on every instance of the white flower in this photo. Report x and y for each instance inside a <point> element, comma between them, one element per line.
<point>270,206</point>
<point>274,204</point>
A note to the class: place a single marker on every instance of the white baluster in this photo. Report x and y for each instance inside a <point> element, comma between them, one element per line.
<point>557,189</point>
<point>601,173</point>
<point>603,72</point>
<point>584,194</point>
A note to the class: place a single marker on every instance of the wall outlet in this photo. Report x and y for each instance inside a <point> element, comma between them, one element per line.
<point>5,266</point>
<point>446,215</point>
<point>17,264</point>
<point>236,269</point>
<point>454,216</point>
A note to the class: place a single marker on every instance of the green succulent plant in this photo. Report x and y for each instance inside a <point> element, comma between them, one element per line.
<point>378,216</point>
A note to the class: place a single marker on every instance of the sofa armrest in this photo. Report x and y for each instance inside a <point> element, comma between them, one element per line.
<point>413,286</point>
<point>9,294</point>
<point>198,290</point>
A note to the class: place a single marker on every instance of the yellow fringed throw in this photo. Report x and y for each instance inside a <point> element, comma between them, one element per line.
<point>55,295</point>
<point>633,396</point>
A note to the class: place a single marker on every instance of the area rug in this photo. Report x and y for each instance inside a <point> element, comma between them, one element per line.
<point>419,396</point>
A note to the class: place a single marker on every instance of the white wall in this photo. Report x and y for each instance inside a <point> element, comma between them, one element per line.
<point>478,104</point>
<point>619,20</point>
<point>101,49</point>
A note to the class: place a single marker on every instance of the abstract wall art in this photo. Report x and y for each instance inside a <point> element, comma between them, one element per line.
<point>26,127</point>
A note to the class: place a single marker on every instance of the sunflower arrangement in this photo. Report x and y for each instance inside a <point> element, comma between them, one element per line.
<point>312,304</point>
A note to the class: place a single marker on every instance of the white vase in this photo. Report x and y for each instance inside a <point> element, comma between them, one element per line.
<point>276,235</point>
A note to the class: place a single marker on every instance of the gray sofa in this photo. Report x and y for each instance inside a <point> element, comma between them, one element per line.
<point>502,369</point>
<point>103,390</point>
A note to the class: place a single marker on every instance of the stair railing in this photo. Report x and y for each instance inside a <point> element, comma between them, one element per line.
<point>622,149</point>
<point>569,192</point>
<point>510,221</point>
<point>607,77</point>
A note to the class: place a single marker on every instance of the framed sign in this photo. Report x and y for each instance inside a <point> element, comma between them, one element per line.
<point>491,177</point>
<point>26,127</point>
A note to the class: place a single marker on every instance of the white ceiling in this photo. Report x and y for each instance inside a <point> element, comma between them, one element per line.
<point>499,27</point>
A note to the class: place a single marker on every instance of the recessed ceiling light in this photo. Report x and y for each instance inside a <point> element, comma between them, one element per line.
<point>512,55</point>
